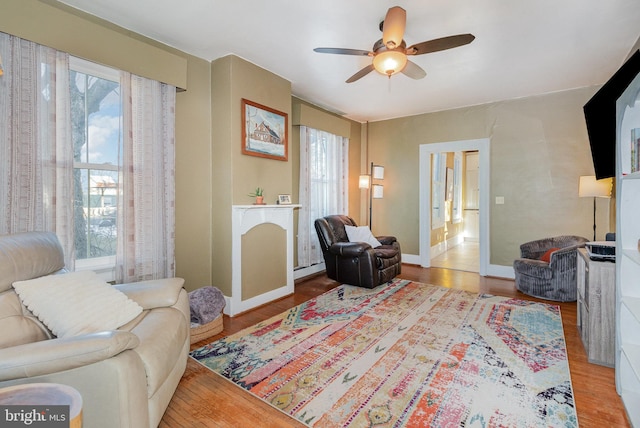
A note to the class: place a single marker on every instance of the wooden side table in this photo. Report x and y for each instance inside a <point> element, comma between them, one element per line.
<point>596,308</point>
<point>45,394</point>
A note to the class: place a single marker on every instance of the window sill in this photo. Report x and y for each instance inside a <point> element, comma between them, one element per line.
<point>103,266</point>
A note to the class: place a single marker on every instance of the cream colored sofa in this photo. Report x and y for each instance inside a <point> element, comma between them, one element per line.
<point>126,376</point>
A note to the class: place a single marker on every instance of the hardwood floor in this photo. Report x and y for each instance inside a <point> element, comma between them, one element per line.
<point>205,399</point>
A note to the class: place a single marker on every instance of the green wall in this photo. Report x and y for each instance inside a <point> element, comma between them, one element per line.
<point>539,149</point>
<point>194,183</point>
<point>235,175</point>
<point>56,25</point>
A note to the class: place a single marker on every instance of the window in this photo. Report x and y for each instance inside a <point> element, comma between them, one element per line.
<point>324,161</point>
<point>96,119</point>
<point>86,141</point>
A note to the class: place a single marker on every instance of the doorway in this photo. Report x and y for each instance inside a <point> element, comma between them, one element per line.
<point>463,251</point>
<point>464,256</point>
<point>478,207</point>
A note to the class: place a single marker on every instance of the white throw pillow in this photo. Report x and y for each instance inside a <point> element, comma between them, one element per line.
<point>361,234</point>
<point>76,303</point>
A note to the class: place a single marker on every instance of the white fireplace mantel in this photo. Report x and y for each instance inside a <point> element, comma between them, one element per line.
<point>245,218</point>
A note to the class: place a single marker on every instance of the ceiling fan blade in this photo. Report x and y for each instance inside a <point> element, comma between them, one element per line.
<point>414,71</point>
<point>393,27</point>
<point>360,74</point>
<point>442,44</point>
<point>341,51</point>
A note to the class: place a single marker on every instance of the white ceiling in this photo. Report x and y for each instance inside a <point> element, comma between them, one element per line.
<point>522,47</point>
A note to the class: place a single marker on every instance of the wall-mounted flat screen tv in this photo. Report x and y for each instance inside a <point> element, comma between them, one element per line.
<point>600,116</point>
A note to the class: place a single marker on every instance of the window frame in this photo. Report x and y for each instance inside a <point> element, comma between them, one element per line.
<point>103,263</point>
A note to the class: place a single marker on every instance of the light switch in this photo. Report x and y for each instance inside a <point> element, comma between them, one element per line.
<point>499,200</point>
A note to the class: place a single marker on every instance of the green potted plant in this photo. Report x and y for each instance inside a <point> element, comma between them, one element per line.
<point>258,194</point>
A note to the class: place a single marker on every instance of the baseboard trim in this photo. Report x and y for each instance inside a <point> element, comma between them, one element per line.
<point>309,270</point>
<point>411,259</point>
<point>498,271</point>
<point>501,271</point>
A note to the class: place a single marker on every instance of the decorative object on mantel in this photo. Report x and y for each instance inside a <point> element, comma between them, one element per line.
<point>258,194</point>
<point>264,131</point>
<point>284,199</point>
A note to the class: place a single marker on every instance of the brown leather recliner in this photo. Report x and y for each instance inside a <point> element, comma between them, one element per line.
<point>356,263</point>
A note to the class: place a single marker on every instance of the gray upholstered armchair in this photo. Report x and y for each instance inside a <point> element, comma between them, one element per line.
<point>547,268</point>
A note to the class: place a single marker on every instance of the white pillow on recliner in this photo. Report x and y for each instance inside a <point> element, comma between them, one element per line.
<point>76,303</point>
<point>361,234</point>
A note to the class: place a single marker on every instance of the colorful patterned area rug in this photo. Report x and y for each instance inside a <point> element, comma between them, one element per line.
<point>405,354</point>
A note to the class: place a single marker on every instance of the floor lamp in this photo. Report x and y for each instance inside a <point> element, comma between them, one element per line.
<point>376,190</point>
<point>590,187</point>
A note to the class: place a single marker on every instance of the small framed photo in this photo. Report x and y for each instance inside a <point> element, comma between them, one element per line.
<point>284,199</point>
<point>264,131</point>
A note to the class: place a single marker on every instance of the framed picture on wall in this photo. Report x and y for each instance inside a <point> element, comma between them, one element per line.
<point>264,131</point>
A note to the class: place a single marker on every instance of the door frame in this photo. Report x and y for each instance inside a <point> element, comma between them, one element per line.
<point>426,150</point>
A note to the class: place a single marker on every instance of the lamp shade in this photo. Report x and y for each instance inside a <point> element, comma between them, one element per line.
<point>363,182</point>
<point>390,62</point>
<point>590,187</point>
<point>377,191</point>
<point>377,172</point>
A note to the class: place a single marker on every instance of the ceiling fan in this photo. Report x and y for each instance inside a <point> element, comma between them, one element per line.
<point>390,53</point>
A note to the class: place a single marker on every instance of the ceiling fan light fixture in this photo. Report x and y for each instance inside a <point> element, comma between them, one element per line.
<point>391,51</point>
<point>390,62</point>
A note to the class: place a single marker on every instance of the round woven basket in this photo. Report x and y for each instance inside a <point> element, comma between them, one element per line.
<point>207,330</point>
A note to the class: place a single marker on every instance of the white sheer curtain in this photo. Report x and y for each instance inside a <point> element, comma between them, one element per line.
<point>36,154</point>
<point>324,167</point>
<point>146,207</point>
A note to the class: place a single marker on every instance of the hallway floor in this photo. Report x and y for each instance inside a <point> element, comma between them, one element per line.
<point>465,256</point>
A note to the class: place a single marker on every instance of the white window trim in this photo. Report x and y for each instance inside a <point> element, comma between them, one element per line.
<point>96,263</point>
<point>94,69</point>
<point>104,266</point>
